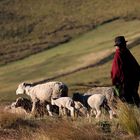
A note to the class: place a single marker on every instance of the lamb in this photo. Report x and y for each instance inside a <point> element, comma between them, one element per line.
<point>64,103</point>
<point>73,106</point>
<point>108,92</point>
<point>93,102</point>
<point>43,92</point>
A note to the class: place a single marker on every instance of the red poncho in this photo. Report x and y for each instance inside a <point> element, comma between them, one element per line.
<point>125,69</point>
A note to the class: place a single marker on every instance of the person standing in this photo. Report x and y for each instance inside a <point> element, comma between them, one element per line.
<point>125,72</point>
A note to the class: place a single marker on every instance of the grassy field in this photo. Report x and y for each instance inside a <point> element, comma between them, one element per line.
<point>28,27</point>
<point>88,29</point>
<point>83,51</point>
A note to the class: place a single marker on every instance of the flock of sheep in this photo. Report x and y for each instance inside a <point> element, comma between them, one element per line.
<point>52,97</point>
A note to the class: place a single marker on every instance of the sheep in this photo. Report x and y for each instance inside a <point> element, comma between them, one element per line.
<point>27,105</point>
<point>64,103</point>
<point>16,110</point>
<point>108,92</point>
<point>43,92</point>
<point>94,101</point>
<point>24,103</point>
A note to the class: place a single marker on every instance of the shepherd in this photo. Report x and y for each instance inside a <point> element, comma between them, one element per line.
<point>125,73</point>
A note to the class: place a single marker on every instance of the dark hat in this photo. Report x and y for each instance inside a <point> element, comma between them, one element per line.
<point>120,40</point>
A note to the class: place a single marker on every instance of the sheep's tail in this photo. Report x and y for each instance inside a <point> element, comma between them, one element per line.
<point>63,90</point>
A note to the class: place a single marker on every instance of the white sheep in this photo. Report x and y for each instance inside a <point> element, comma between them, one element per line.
<point>95,102</point>
<point>43,92</point>
<point>64,103</point>
<point>108,92</point>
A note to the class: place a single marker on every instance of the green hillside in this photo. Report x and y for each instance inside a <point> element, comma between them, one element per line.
<point>70,41</point>
<point>28,27</point>
<point>86,60</point>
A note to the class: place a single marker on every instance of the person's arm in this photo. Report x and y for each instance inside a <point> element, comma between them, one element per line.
<point>117,72</point>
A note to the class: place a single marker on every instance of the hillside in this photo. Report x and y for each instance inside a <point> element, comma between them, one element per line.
<point>81,63</point>
<point>28,27</point>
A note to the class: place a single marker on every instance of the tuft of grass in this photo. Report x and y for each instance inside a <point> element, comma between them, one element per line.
<point>8,119</point>
<point>128,118</point>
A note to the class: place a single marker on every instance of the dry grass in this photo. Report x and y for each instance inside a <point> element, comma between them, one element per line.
<point>7,119</point>
<point>69,130</point>
<point>125,127</point>
<point>48,128</point>
<point>129,118</point>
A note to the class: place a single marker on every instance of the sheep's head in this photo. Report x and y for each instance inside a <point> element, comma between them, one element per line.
<point>19,102</point>
<point>76,96</point>
<point>21,88</point>
<point>23,102</point>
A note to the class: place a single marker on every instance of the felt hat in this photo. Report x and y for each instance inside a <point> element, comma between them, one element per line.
<point>120,40</point>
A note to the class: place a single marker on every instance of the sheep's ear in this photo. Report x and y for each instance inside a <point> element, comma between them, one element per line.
<point>27,84</point>
<point>24,84</point>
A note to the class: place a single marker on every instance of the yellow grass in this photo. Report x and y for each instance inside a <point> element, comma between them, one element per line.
<point>128,118</point>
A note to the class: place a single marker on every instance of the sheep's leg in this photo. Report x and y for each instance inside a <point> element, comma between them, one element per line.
<point>71,111</point>
<point>110,110</point>
<point>98,114</point>
<point>70,107</point>
<point>49,109</point>
<point>64,112</point>
<point>33,107</point>
<point>95,112</point>
<point>110,114</point>
<point>60,111</point>
<point>111,107</point>
<point>98,110</point>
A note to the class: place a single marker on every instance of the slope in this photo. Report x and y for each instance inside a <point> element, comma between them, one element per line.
<point>86,50</point>
<point>28,27</point>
